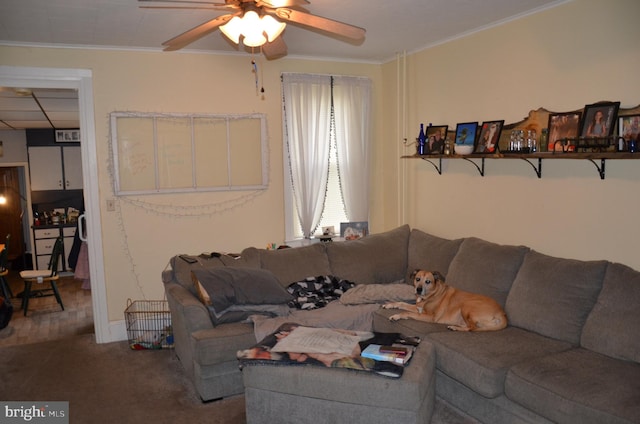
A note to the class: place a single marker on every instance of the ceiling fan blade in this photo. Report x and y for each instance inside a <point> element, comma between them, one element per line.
<point>324,24</point>
<point>217,8</point>
<point>275,49</point>
<point>188,37</point>
<point>204,3</point>
<point>281,3</point>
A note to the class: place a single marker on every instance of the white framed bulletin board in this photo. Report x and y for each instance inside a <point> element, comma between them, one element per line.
<point>168,153</point>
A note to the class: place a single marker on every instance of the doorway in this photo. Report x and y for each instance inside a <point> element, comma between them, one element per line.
<point>81,80</point>
<point>14,216</point>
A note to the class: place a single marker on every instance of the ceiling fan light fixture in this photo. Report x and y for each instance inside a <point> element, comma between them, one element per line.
<point>253,29</point>
<point>233,29</point>
<point>272,27</point>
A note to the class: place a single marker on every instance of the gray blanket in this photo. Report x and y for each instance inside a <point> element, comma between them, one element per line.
<point>333,315</point>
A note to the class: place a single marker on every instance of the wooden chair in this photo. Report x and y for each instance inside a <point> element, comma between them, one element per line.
<point>48,276</point>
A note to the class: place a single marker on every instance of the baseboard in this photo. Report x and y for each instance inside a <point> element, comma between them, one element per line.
<point>116,332</point>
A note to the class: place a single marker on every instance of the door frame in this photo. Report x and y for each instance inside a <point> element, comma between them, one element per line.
<point>81,80</point>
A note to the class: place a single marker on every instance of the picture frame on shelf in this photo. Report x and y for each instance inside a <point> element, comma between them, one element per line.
<point>354,230</point>
<point>563,126</point>
<point>599,119</point>
<point>68,136</point>
<point>466,133</point>
<point>629,127</point>
<point>436,135</point>
<point>489,137</point>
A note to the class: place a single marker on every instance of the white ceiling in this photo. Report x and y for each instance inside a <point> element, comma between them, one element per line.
<point>392,26</point>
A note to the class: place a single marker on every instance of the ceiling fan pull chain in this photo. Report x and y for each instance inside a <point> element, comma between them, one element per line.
<point>262,79</point>
<point>255,73</point>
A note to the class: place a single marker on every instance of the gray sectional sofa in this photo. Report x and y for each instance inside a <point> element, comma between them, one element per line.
<point>571,352</point>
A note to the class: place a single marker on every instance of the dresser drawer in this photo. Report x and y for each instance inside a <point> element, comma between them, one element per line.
<point>42,233</point>
<point>69,231</point>
<point>45,246</point>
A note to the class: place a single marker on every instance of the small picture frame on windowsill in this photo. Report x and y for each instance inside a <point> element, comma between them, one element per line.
<point>354,230</point>
<point>68,136</point>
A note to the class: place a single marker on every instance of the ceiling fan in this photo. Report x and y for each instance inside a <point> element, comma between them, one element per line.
<point>259,22</point>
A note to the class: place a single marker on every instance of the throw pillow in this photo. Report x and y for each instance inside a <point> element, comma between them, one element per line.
<point>226,289</point>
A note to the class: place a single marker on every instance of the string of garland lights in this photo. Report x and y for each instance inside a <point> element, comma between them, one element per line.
<point>198,211</point>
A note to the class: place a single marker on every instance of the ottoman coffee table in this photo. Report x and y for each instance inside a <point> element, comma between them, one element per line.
<point>314,394</point>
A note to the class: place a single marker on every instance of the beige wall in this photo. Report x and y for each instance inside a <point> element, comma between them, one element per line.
<point>145,231</point>
<point>578,53</point>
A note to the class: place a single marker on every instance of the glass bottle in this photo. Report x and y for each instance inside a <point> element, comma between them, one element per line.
<point>532,141</point>
<point>544,139</point>
<point>422,141</point>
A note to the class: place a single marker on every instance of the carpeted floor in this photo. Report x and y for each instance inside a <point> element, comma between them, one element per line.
<point>110,383</point>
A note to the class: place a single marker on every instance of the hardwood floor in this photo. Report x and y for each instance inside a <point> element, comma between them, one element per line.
<point>45,319</point>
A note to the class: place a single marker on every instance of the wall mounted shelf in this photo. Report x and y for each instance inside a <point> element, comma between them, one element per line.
<point>536,120</point>
<point>533,159</point>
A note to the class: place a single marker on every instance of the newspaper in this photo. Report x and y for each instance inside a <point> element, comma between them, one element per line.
<point>322,340</point>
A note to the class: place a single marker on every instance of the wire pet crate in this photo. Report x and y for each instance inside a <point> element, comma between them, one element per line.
<point>148,324</point>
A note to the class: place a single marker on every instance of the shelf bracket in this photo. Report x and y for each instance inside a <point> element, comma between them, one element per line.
<point>600,168</point>
<point>537,170</point>
<point>437,167</point>
<point>480,170</point>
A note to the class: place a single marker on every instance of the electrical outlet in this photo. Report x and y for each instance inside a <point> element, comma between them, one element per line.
<point>111,205</point>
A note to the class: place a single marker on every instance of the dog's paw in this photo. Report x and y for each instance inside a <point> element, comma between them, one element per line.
<point>458,328</point>
<point>396,317</point>
<point>390,306</point>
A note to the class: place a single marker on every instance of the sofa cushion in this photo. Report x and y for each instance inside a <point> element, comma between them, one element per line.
<point>223,290</point>
<point>181,269</point>
<point>577,386</point>
<point>485,268</point>
<point>430,252</point>
<point>376,258</point>
<point>382,324</point>
<point>295,264</point>
<point>553,296</point>
<point>480,360</point>
<point>612,325</point>
<point>378,293</point>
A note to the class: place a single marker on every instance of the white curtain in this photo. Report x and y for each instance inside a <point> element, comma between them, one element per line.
<point>307,114</point>
<point>352,108</point>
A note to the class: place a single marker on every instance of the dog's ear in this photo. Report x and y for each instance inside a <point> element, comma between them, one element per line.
<point>438,276</point>
<point>413,274</point>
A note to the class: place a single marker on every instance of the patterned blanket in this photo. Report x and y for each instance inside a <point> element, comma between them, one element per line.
<point>317,292</point>
<point>263,354</point>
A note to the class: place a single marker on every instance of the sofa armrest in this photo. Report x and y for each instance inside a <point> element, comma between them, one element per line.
<point>188,315</point>
<point>222,343</point>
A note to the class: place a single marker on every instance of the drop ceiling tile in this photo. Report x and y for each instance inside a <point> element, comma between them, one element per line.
<point>62,124</point>
<point>9,115</point>
<point>28,124</point>
<point>68,105</point>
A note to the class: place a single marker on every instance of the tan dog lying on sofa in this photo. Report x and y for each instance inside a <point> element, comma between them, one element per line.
<point>440,303</point>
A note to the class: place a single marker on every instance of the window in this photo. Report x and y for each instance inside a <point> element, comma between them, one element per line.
<point>326,154</point>
<point>334,211</point>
